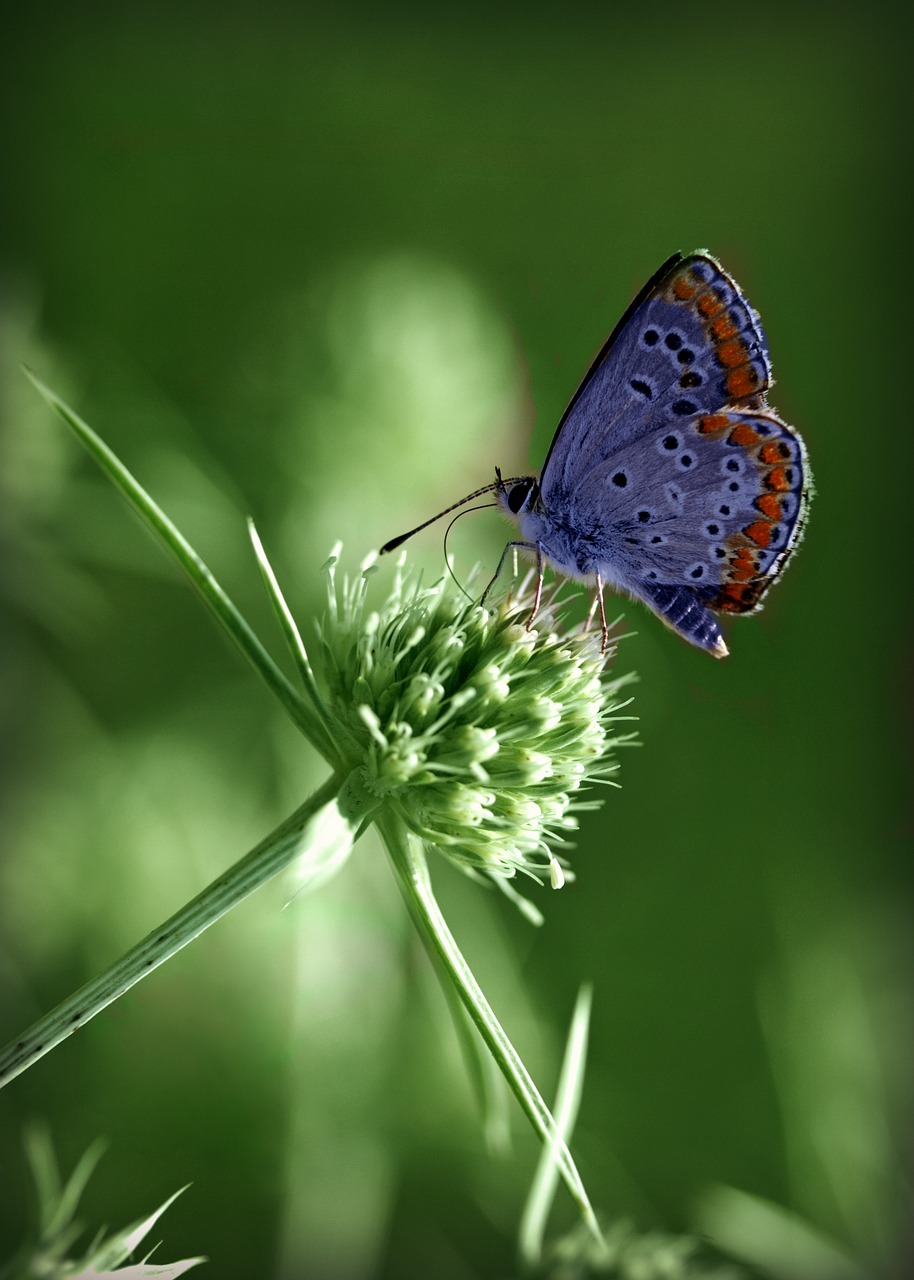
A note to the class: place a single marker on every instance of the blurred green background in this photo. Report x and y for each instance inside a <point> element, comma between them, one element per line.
<point>328,266</point>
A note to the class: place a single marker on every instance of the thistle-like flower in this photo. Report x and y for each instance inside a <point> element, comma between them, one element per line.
<point>478,732</point>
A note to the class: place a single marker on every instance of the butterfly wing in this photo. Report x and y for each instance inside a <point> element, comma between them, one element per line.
<point>700,516</point>
<point>669,477</point>
<point>689,343</point>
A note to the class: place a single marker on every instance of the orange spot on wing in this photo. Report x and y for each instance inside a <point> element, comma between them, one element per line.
<point>683,288</point>
<point>735,593</point>
<point>773,452</point>
<point>759,531</point>
<point>742,566</point>
<point>769,504</point>
<point>723,327</point>
<point>709,303</point>
<point>732,353</point>
<point>714,422</point>
<point>741,382</point>
<point>777,479</point>
<point>739,597</point>
<point>744,435</point>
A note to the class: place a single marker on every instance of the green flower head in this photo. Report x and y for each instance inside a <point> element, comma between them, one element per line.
<point>478,731</point>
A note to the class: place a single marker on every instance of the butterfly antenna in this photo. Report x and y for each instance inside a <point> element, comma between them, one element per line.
<point>447,558</point>
<point>397,542</point>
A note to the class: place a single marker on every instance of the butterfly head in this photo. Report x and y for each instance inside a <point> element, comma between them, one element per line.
<point>518,496</point>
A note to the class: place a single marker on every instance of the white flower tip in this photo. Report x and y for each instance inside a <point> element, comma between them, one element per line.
<point>556,874</point>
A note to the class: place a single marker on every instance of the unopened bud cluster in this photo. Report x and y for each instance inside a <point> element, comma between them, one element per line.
<point>479,732</point>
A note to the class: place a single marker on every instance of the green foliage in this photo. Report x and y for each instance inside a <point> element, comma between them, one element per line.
<point>329,265</point>
<point>50,1252</point>
<point>427,661</point>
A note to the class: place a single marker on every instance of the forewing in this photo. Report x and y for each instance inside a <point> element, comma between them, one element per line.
<point>690,344</point>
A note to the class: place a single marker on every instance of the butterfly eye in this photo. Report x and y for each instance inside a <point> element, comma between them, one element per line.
<point>517,496</point>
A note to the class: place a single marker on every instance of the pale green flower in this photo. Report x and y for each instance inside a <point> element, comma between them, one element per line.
<point>478,732</point>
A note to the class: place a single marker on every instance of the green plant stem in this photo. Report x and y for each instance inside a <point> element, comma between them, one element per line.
<point>270,856</point>
<point>409,861</point>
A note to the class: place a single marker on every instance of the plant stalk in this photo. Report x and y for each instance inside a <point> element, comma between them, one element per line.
<point>272,855</point>
<point>408,857</point>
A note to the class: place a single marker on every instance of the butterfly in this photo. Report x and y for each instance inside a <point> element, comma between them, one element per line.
<point>669,477</point>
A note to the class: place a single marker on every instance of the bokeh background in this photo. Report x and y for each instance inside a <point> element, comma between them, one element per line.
<point>328,265</point>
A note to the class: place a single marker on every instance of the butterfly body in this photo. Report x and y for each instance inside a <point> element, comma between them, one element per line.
<point>669,478</point>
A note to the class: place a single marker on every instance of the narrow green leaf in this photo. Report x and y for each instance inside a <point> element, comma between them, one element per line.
<point>266,860</point>
<point>192,564</point>
<point>567,1101</point>
<point>290,630</point>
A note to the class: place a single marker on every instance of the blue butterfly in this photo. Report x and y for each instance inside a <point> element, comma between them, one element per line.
<point>669,478</point>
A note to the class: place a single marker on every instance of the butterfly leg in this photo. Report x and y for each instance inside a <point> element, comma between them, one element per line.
<point>598,600</point>
<point>514,547</point>
<point>539,586</point>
